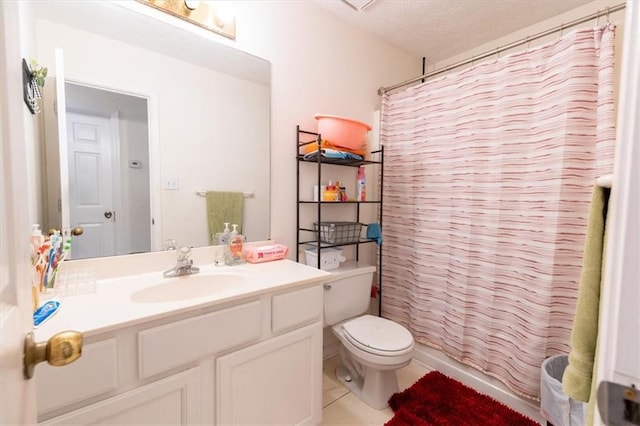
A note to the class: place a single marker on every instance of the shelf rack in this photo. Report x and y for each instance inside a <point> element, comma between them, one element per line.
<point>305,138</point>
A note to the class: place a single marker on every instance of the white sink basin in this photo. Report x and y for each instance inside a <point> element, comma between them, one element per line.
<point>188,287</point>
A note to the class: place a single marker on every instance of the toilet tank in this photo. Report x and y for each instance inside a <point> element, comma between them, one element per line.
<point>347,292</point>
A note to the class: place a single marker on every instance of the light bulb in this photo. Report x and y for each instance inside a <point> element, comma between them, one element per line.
<point>191,4</point>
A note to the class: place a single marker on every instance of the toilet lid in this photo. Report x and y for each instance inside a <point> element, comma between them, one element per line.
<point>377,335</point>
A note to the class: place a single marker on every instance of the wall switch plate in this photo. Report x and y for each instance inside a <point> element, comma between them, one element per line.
<point>170,183</point>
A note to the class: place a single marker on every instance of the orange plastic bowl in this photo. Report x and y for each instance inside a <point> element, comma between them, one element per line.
<point>341,131</point>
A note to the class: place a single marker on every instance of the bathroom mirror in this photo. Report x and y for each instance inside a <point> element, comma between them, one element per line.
<point>198,121</point>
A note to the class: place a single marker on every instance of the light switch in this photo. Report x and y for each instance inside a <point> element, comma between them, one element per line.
<point>170,183</point>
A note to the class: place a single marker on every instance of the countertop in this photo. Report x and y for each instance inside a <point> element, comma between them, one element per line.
<point>111,306</point>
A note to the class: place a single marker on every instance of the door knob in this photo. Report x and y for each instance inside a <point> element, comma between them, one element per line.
<point>61,349</point>
<point>78,230</point>
<point>108,215</point>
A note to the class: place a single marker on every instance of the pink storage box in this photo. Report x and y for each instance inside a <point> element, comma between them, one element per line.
<point>265,253</point>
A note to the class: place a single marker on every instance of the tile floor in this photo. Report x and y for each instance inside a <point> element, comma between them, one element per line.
<point>341,407</point>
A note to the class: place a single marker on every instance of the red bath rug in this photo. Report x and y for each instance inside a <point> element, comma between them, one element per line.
<point>437,400</point>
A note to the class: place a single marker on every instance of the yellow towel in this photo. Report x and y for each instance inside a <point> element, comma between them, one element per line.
<point>577,377</point>
<point>223,207</point>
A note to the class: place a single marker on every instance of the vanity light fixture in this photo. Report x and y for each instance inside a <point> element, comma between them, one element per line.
<point>191,4</point>
<point>207,15</point>
<point>358,5</point>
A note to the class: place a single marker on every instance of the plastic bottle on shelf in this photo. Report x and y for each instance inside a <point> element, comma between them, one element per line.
<point>361,185</point>
<point>330,193</point>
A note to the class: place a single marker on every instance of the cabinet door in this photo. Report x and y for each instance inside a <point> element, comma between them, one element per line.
<point>171,401</point>
<point>278,381</point>
<point>61,387</point>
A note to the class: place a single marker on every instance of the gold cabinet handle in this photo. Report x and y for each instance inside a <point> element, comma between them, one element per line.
<point>61,349</point>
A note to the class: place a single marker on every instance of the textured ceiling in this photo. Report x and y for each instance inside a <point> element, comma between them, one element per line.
<point>439,29</point>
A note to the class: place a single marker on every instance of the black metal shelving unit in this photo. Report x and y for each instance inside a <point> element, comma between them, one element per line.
<point>303,139</point>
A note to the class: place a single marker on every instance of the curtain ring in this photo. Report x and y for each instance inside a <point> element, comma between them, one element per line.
<point>528,42</point>
<point>561,29</point>
<point>607,15</point>
<point>598,19</point>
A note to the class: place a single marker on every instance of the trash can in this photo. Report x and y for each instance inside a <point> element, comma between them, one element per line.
<point>556,407</point>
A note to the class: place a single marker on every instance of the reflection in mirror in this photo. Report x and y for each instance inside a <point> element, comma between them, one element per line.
<point>183,116</point>
<point>108,162</point>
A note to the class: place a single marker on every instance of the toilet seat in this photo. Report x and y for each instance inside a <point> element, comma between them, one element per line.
<point>378,336</point>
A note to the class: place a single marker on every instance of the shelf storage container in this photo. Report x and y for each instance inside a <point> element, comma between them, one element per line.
<point>338,232</point>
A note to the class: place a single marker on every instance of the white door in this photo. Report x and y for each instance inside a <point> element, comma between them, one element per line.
<point>619,344</point>
<point>91,200</point>
<point>17,396</point>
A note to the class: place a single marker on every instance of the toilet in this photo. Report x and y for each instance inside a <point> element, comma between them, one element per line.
<point>371,348</point>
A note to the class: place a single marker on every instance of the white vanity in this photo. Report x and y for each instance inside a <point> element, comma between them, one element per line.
<point>230,345</point>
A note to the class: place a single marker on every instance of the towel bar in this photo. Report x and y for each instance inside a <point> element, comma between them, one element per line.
<point>203,193</point>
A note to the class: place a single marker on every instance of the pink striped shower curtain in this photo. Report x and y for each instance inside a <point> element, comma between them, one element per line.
<point>488,180</point>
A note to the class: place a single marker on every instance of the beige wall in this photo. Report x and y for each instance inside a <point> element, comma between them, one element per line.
<point>319,65</point>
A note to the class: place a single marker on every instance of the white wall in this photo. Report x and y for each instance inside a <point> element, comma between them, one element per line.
<point>319,65</point>
<point>138,235</point>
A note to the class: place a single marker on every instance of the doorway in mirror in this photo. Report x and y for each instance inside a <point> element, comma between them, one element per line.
<point>108,170</point>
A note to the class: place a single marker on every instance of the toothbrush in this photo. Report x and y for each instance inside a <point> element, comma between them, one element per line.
<point>49,270</point>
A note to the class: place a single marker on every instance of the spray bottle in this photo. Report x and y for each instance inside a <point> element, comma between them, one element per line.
<point>361,185</point>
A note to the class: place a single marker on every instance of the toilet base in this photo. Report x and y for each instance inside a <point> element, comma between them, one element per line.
<point>374,389</point>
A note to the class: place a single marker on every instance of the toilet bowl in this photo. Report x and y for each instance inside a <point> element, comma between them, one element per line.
<point>371,348</point>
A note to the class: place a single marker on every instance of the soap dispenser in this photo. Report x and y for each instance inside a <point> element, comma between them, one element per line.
<point>224,236</point>
<point>235,254</point>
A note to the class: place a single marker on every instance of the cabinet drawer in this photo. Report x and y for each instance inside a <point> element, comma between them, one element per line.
<point>94,373</point>
<point>296,308</point>
<point>171,345</point>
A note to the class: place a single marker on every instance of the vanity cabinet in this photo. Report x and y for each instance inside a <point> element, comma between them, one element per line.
<point>272,382</point>
<point>256,360</point>
<point>174,400</point>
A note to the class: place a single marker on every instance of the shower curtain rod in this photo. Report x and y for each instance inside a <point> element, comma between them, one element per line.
<point>607,11</point>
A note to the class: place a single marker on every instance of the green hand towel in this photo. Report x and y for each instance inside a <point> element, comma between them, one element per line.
<point>576,380</point>
<point>223,207</point>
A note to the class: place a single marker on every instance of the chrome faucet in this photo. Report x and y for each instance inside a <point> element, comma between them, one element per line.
<point>184,265</point>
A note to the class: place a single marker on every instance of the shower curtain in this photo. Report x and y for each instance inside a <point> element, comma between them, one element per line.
<point>487,182</point>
